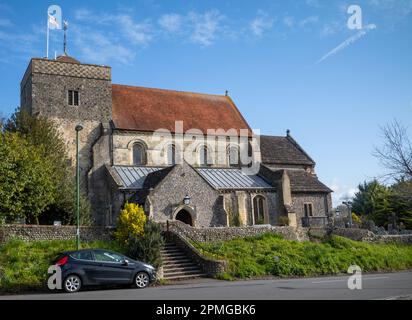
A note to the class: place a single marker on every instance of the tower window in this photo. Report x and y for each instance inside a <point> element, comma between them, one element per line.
<point>73,98</point>
<point>308,209</point>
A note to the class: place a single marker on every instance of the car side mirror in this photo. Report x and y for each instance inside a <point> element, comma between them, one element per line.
<point>126,262</point>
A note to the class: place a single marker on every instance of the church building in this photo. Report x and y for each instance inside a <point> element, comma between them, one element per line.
<point>121,161</point>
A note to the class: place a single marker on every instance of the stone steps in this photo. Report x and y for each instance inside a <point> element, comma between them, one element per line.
<point>177,265</point>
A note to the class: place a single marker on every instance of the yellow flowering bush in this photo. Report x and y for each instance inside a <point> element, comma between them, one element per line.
<point>356,218</point>
<point>131,222</point>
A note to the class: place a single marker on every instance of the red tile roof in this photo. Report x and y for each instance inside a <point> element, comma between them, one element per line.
<point>146,109</point>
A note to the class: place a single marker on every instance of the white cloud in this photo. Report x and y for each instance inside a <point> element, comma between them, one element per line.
<point>139,33</point>
<point>19,45</point>
<point>5,23</point>
<point>313,3</point>
<point>341,192</point>
<point>289,21</point>
<point>401,8</point>
<point>261,24</point>
<point>205,27</point>
<point>332,28</point>
<point>100,48</point>
<point>171,23</point>
<point>309,20</point>
<point>360,34</point>
<point>84,15</point>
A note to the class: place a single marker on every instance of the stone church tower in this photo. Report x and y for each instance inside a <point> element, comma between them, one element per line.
<point>69,93</point>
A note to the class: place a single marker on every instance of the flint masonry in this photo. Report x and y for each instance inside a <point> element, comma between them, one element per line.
<point>118,152</point>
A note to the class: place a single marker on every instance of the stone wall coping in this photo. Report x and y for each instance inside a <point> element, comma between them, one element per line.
<point>34,226</point>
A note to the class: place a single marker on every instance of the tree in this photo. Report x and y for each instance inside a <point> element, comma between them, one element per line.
<point>26,179</point>
<point>43,134</point>
<point>385,205</point>
<point>40,132</point>
<point>402,202</point>
<point>366,199</point>
<point>396,152</point>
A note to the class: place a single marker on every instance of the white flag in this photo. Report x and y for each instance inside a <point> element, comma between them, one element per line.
<point>53,23</point>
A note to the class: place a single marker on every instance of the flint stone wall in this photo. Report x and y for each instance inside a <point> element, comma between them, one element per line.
<point>368,236</point>
<point>38,233</point>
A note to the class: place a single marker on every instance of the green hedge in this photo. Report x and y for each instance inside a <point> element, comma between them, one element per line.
<point>269,254</point>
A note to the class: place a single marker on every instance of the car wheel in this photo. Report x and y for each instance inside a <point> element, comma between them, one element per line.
<point>142,280</point>
<point>72,284</point>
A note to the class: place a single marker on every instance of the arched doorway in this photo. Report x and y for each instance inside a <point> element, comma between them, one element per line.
<point>185,217</point>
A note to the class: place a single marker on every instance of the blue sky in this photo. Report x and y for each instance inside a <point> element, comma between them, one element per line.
<point>267,53</point>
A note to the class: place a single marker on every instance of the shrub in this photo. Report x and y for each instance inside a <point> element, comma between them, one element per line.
<point>131,223</point>
<point>356,219</point>
<point>147,247</point>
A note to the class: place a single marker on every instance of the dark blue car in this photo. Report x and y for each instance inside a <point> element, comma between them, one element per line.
<point>102,267</point>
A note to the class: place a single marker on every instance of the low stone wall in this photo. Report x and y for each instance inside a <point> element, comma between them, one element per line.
<point>209,266</point>
<point>368,236</point>
<point>42,232</point>
<point>214,234</point>
<point>355,234</point>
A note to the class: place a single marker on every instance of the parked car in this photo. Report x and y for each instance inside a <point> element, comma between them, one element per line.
<point>101,267</point>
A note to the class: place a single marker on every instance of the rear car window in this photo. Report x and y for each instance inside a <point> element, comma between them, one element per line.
<point>106,256</point>
<point>84,255</point>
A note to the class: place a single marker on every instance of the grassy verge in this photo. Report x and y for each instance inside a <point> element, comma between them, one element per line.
<point>23,265</point>
<point>270,255</point>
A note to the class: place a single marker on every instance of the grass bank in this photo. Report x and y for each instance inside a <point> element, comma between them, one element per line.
<point>23,265</point>
<point>270,255</point>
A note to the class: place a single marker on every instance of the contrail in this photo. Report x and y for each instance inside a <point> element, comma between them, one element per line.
<point>348,42</point>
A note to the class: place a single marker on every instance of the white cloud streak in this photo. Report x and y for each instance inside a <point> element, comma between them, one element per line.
<point>171,23</point>
<point>261,24</point>
<point>205,27</point>
<point>360,34</point>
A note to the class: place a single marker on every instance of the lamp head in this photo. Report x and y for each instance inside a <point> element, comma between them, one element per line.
<point>79,127</point>
<point>186,200</point>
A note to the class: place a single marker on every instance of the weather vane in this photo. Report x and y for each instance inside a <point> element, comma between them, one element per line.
<point>65,26</point>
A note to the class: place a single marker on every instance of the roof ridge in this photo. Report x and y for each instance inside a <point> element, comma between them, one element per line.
<point>169,90</point>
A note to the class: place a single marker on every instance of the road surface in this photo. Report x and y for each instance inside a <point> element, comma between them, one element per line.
<point>374,286</point>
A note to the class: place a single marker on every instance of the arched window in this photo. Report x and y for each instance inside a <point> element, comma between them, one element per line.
<point>233,156</point>
<point>170,155</point>
<point>204,157</point>
<point>259,204</point>
<point>139,154</point>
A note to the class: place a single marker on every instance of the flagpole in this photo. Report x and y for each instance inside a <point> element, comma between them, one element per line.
<point>47,41</point>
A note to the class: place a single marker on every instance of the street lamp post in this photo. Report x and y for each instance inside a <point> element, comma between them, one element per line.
<point>78,128</point>
<point>349,205</point>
